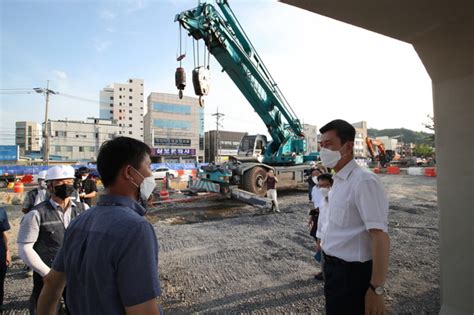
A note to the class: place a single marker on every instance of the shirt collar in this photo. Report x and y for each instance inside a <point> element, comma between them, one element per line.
<point>56,205</point>
<point>346,171</point>
<point>109,199</point>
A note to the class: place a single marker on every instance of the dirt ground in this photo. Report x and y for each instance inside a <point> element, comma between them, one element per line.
<point>226,257</point>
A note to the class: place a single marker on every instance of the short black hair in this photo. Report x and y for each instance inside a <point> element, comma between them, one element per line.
<point>83,170</point>
<point>116,153</point>
<point>327,177</point>
<point>344,130</point>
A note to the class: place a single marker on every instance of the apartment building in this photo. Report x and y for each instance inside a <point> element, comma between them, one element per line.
<point>123,102</point>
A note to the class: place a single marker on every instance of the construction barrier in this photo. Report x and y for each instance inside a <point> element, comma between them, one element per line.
<point>416,171</point>
<point>430,171</point>
<point>393,170</point>
<point>18,187</point>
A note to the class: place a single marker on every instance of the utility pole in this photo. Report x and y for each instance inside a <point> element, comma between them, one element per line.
<point>46,134</point>
<point>217,144</point>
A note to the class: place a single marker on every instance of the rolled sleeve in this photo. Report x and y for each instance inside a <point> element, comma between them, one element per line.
<point>137,270</point>
<point>29,228</point>
<point>372,204</point>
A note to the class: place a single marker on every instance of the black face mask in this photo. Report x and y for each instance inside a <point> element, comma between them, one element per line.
<point>63,191</point>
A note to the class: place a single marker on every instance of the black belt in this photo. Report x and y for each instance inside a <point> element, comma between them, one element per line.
<point>335,260</point>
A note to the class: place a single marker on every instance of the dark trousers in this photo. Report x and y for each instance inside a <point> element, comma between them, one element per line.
<point>3,272</point>
<point>37,287</point>
<point>310,190</point>
<point>345,285</point>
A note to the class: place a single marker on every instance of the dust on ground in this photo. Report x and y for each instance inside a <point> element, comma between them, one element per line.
<point>222,256</point>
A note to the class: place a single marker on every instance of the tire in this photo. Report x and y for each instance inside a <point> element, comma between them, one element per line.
<point>3,183</point>
<point>253,181</point>
<point>170,176</point>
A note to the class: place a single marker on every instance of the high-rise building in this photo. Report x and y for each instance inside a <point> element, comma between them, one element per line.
<point>28,136</point>
<point>174,128</point>
<point>123,102</point>
<point>311,133</point>
<point>72,140</point>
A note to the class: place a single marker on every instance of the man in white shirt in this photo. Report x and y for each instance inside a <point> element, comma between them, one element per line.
<point>320,198</point>
<point>355,242</point>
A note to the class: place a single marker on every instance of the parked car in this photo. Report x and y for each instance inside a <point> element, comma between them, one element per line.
<point>160,173</point>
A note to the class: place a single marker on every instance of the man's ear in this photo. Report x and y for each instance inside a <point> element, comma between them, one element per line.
<point>125,173</point>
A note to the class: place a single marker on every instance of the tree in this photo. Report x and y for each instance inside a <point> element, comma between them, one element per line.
<point>423,150</point>
<point>431,126</point>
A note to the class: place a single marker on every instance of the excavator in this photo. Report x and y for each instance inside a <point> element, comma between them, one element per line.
<point>285,153</point>
<point>378,154</point>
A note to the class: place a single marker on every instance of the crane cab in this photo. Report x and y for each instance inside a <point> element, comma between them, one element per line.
<point>251,148</point>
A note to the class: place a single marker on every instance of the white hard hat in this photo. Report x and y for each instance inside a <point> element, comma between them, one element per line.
<point>60,172</point>
<point>42,174</point>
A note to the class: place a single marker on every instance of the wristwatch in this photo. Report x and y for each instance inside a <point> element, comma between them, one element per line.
<point>377,290</point>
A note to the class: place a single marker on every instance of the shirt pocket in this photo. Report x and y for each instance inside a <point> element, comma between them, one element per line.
<point>339,213</point>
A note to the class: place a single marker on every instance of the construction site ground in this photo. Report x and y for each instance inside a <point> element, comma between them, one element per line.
<point>222,256</point>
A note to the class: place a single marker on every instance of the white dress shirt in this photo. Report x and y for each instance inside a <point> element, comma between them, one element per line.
<point>357,203</point>
<point>320,202</point>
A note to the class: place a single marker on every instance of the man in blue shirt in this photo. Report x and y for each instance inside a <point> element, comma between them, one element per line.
<point>109,258</point>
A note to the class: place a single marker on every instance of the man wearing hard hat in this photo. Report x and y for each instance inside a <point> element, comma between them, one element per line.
<point>42,229</point>
<point>36,195</point>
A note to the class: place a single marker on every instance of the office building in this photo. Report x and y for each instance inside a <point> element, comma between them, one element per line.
<point>222,144</point>
<point>174,128</point>
<point>80,140</point>
<point>311,133</point>
<point>360,147</point>
<point>28,136</point>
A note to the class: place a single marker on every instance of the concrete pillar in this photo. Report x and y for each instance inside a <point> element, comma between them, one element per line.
<point>448,55</point>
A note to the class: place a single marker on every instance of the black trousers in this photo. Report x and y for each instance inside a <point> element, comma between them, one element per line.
<point>3,271</point>
<point>345,285</point>
<point>37,287</point>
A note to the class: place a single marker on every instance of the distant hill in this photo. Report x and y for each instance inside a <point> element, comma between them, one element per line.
<point>407,135</point>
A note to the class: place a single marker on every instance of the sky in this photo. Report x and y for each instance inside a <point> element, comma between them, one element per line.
<point>325,68</point>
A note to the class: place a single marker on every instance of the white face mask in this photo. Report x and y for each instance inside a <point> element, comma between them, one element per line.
<point>84,177</point>
<point>329,158</point>
<point>315,179</point>
<point>146,187</point>
<point>324,191</point>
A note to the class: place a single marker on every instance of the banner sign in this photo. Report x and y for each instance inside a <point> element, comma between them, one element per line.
<point>173,151</point>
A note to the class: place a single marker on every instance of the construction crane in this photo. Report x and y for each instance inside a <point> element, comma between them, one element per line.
<point>226,40</point>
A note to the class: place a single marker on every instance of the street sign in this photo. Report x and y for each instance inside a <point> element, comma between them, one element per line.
<point>9,153</point>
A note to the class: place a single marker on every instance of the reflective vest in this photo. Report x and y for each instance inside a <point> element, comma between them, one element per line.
<point>51,233</point>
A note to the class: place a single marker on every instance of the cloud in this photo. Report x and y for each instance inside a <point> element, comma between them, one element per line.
<point>60,74</point>
<point>107,14</point>
<point>101,46</point>
<point>135,5</point>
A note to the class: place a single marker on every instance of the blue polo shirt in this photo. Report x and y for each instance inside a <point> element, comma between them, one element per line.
<point>110,257</point>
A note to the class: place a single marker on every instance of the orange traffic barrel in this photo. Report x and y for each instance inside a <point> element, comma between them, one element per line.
<point>19,187</point>
<point>394,170</point>
<point>164,195</point>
